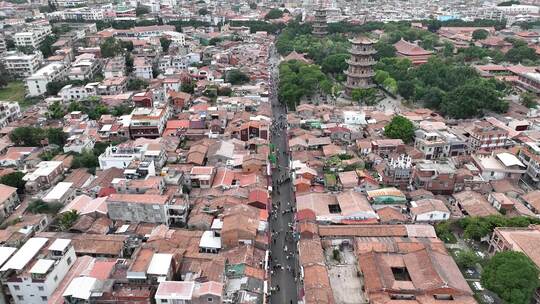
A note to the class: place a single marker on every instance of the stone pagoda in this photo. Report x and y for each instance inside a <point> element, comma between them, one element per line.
<point>320,28</point>
<point>360,72</point>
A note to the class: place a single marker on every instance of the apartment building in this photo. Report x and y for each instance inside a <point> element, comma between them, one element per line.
<point>529,82</point>
<point>397,172</point>
<point>113,86</point>
<point>486,136</point>
<point>147,208</point>
<point>385,147</point>
<point>115,67</point>
<point>437,177</point>
<point>34,272</point>
<point>36,84</point>
<point>21,65</point>
<point>33,37</point>
<point>148,122</point>
<point>436,144</point>
<point>9,112</point>
<point>498,166</point>
<point>530,157</point>
<point>120,156</point>
<point>142,68</point>
<point>86,66</point>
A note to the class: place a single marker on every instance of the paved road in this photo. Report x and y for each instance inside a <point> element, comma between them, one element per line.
<point>283,251</point>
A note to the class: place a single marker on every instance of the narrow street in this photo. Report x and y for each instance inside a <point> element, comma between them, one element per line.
<point>283,248</point>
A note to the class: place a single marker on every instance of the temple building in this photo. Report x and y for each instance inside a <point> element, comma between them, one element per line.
<point>412,51</point>
<point>320,28</point>
<point>360,72</point>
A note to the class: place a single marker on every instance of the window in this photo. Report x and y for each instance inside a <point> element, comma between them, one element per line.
<point>20,298</point>
<point>209,299</point>
<point>68,261</point>
<point>43,298</point>
<point>334,208</point>
<point>16,287</point>
<point>40,288</point>
<point>401,274</point>
<point>55,278</point>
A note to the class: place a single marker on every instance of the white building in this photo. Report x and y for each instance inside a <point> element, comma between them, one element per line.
<point>354,117</point>
<point>36,84</point>
<point>429,210</point>
<point>33,37</point>
<point>498,166</point>
<point>516,9</point>
<point>79,144</point>
<point>71,92</point>
<point>62,193</point>
<point>21,65</point>
<point>9,112</point>
<point>120,157</point>
<point>34,272</point>
<point>172,292</point>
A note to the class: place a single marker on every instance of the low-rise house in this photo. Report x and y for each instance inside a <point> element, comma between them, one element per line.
<point>9,199</point>
<point>79,144</point>
<point>14,156</point>
<point>112,86</point>
<point>202,177</point>
<point>46,174</point>
<point>530,157</point>
<point>346,207</point>
<point>429,210</point>
<point>145,208</point>
<point>436,177</point>
<point>85,66</point>
<point>62,193</point>
<point>385,147</point>
<point>473,203</point>
<point>397,172</point>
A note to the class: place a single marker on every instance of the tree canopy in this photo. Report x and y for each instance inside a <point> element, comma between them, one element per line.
<point>14,179</point>
<point>512,276</point>
<point>274,13</point>
<point>236,77</point>
<point>111,47</point>
<point>33,137</point>
<point>298,79</point>
<point>480,34</point>
<point>400,128</point>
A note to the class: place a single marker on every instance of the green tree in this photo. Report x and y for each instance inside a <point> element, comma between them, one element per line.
<point>111,47</point>
<point>38,206</point>
<point>467,259</point>
<point>406,89</point>
<point>4,76</point>
<point>46,46</point>
<point>165,43</point>
<point>528,99</point>
<point>381,76</point>
<point>54,87</point>
<point>56,111</point>
<point>512,276</point>
<point>335,63</point>
<point>187,87</point>
<point>204,11</point>
<point>14,179</point>
<point>141,10</point>
<point>400,128</point>
<point>135,84</point>
<point>253,5</point>
<point>480,34</point>
<point>27,136</point>
<point>520,54</point>
<point>364,96</point>
<point>274,14</point>
<point>236,76</point>
<point>56,136</point>
<point>384,50</point>
<point>67,219</point>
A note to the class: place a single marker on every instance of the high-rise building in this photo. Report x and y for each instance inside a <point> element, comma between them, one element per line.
<point>360,72</point>
<point>320,28</point>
